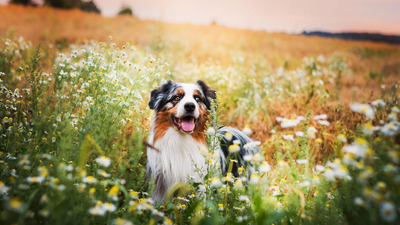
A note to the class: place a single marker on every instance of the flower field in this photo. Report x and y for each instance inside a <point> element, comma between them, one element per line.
<point>74,114</point>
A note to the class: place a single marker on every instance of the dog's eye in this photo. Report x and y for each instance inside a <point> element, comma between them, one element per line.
<point>177,98</point>
<point>197,98</point>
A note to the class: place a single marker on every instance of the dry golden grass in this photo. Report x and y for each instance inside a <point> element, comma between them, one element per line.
<point>372,64</point>
<point>200,42</point>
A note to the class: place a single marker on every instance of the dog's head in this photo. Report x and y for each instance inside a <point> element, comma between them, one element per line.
<point>184,105</point>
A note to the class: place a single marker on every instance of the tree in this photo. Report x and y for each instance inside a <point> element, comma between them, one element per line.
<point>126,10</point>
<point>63,4</point>
<point>23,2</point>
<point>88,6</point>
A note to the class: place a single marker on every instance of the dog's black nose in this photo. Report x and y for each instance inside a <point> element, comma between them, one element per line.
<point>190,106</point>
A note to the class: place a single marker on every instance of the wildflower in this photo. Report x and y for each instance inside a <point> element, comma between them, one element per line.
<point>210,131</point>
<point>311,131</point>
<point>319,168</point>
<point>359,201</point>
<point>38,179</point>
<point>109,207</point>
<point>390,168</point>
<point>168,221</point>
<point>220,207</point>
<point>299,133</point>
<point>358,148</point>
<point>44,212</point>
<point>390,129</point>
<point>378,102</point>
<point>258,157</point>
<point>24,161</point>
<point>228,136</point>
<point>366,109</point>
<point>3,188</point>
<point>392,116</point>
<point>103,161</point>
<point>286,123</point>
<point>264,168</point>
<point>16,204</point>
<point>92,190</point>
<point>238,184</point>
<point>278,206</point>
<point>315,180</point>
<point>247,130</point>
<point>254,178</point>
<point>388,211</point>
<point>324,122</point>
<point>122,221</point>
<point>288,137</point>
<point>275,190</point>
<point>248,157</point>
<point>365,174</point>
<point>103,173</point>
<point>228,177</point>
<point>369,129</point>
<point>329,174</point>
<point>381,186</point>
<point>234,148</point>
<point>215,182</point>
<point>302,161</point>
<point>395,109</point>
<point>89,179</point>
<point>348,159</point>
<point>98,210</point>
<point>320,117</point>
<point>134,194</point>
<point>113,193</point>
<point>273,131</point>
<point>304,184</point>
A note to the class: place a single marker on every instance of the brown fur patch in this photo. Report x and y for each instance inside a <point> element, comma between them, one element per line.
<point>181,92</point>
<point>164,122</point>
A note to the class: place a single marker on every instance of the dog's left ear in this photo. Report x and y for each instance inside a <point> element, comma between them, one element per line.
<point>209,93</point>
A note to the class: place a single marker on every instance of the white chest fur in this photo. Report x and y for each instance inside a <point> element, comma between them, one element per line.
<point>178,159</point>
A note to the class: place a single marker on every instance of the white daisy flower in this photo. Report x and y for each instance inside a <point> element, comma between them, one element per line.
<point>103,161</point>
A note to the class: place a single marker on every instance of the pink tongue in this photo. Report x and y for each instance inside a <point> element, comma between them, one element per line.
<point>187,125</point>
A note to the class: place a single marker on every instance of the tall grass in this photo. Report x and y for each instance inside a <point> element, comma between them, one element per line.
<point>74,116</point>
<point>72,152</point>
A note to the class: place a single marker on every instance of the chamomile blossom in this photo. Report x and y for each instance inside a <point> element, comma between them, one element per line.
<point>215,182</point>
<point>365,109</point>
<point>103,161</point>
<point>390,129</point>
<point>378,102</point>
<point>392,116</point>
<point>288,137</point>
<point>320,117</point>
<point>342,138</point>
<point>388,211</point>
<point>311,132</point>
<point>264,167</point>
<point>247,130</point>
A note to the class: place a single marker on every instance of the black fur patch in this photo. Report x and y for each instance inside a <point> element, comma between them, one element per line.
<point>160,96</point>
<point>209,93</point>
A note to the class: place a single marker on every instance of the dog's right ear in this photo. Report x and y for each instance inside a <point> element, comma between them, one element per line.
<point>160,94</point>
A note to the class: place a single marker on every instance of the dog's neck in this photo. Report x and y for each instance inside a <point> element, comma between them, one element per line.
<point>179,156</point>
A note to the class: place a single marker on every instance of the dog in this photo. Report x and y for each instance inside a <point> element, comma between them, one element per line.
<point>177,140</point>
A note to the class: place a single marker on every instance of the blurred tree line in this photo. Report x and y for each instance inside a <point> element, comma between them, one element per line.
<point>88,6</point>
<point>84,5</point>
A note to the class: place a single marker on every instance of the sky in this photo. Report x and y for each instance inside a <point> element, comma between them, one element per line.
<point>291,16</point>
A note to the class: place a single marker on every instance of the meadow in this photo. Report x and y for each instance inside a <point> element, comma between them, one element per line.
<point>74,93</point>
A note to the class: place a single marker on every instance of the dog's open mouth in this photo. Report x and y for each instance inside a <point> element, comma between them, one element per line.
<point>185,123</point>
